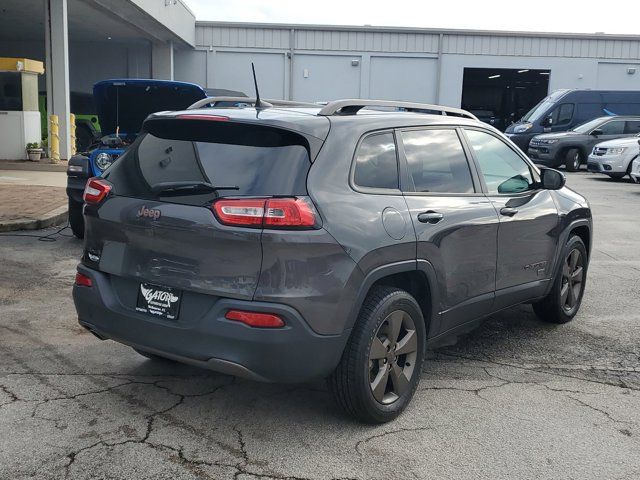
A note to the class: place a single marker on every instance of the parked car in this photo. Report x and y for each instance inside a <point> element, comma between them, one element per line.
<point>122,106</point>
<point>572,148</point>
<point>614,157</point>
<point>564,110</point>
<point>255,242</point>
<point>635,170</point>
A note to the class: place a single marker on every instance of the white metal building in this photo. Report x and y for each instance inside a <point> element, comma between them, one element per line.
<point>83,41</point>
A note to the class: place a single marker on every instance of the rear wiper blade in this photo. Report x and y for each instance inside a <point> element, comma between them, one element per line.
<point>190,186</point>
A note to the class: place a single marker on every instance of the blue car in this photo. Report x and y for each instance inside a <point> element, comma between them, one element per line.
<point>122,106</point>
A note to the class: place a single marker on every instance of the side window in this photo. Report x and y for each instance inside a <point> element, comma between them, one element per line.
<point>563,114</point>
<point>615,127</point>
<point>504,171</point>
<point>436,161</point>
<point>632,127</point>
<point>376,162</point>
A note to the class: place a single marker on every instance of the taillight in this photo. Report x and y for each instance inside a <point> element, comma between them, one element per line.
<point>83,281</point>
<point>255,319</point>
<point>96,190</point>
<point>296,213</point>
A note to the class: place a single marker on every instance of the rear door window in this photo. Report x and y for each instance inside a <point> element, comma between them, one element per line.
<point>259,161</point>
<point>436,161</point>
<point>376,163</point>
<point>632,127</point>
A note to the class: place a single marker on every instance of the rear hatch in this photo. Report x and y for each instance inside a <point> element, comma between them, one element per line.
<point>161,222</point>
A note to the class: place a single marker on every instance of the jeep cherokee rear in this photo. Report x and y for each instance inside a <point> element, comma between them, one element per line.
<point>293,242</point>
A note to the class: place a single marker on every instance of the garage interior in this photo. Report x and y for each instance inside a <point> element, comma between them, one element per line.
<point>503,95</point>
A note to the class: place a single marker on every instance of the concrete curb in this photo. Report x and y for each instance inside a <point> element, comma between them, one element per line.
<point>33,166</point>
<point>54,217</point>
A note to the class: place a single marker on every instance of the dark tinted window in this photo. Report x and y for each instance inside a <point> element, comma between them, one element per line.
<point>504,171</point>
<point>376,162</point>
<point>260,161</point>
<point>437,162</point>
<point>10,91</point>
<point>632,126</point>
<point>563,114</point>
<point>614,127</point>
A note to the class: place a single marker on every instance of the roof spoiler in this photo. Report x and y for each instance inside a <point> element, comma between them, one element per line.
<point>352,106</point>
<point>250,101</point>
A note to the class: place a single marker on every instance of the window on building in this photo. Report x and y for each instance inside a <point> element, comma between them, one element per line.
<point>10,91</point>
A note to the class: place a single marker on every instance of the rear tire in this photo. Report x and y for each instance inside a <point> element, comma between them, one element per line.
<point>563,301</point>
<point>573,160</point>
<point>76,220</point>
<point>382,362</point>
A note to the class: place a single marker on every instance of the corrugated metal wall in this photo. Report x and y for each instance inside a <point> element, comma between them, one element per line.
<point>415,41</point>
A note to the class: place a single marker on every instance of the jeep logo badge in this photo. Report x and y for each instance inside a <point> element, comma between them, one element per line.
<point>148,213</point>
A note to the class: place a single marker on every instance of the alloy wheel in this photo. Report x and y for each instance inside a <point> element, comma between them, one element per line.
<point>572,278</point>
<point>576,161</point>
<point>392,357</point>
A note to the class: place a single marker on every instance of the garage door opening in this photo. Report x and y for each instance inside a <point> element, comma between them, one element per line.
<point>500,96</point>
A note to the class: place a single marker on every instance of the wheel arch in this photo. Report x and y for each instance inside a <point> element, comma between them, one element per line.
<point>417,278</point>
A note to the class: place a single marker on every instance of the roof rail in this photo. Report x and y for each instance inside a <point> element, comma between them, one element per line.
<point>250,101</point>
<point>352,106</point>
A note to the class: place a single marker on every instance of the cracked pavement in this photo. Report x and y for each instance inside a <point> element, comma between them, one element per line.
<point>514,399</point>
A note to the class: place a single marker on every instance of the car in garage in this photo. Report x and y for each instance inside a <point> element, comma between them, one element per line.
<point>289,242</point>
<point>614,157</point>
<point>572,148</point>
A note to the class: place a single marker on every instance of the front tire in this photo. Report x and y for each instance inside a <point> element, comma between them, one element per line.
<point>76,220</point>
<point>573,160</point>
<point>382,362</point>
<point>563,301</point>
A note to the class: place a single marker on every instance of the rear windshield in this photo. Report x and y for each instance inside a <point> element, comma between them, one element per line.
<point>254,160</point>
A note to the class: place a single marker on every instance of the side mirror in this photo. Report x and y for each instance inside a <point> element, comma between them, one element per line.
<point>552,179</point>
<point>596,132</point>
<point>547,121</point>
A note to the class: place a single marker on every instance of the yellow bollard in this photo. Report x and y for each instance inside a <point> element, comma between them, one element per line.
<point>54,139</point>
<point>72,131</point>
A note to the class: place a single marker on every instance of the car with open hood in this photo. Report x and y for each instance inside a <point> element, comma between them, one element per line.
<point>122,105</point>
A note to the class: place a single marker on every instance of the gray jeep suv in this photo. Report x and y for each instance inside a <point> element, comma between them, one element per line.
<point>572,148</point>
<point>289,242</point>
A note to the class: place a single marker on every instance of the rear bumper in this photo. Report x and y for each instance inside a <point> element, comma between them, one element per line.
<point>293,353</point>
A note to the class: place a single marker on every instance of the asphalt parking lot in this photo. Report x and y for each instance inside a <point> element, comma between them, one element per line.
<point>516,399</point>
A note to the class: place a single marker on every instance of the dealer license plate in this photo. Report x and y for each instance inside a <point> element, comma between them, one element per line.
<point>159,301</point>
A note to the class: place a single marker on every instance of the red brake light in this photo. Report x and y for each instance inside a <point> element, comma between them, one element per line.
<point>289,212</point>
<point>270,212</point>
<point>200,116</point>
<point>83,281</point>
<point>255,319</point>
<point>96,190</point>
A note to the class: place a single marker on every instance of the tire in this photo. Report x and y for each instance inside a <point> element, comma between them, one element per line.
<point>573,160</point>
<point>617,176</point>
<point>76,220</point>
<point>370,358</point>
<point>558,306</point>
<point>153,356</point>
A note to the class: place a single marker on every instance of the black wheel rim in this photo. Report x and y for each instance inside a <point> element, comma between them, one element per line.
<point>392,357</point>
<point>572,280</point>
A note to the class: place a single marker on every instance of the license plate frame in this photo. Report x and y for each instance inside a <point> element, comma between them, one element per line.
<point>159,301</point>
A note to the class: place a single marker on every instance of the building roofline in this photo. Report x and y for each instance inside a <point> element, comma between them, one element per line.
<point>436,31</point>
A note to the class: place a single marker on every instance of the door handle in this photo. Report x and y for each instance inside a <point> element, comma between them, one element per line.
<point>430,217</point>
<point>508,211</point>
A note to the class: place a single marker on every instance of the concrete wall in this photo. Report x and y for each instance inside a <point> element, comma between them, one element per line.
<point>177,17</point>
<point>90,62</point>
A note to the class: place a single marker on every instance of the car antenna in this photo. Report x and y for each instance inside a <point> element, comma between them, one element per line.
<point>258,103</point>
